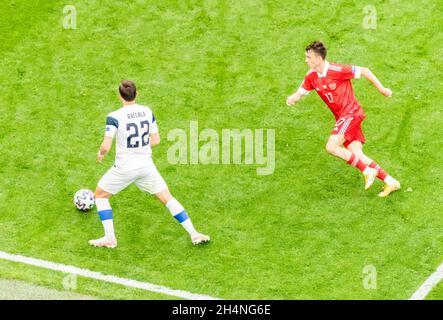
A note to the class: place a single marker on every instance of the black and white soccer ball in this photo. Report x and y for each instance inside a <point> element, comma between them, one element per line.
<point>84,200</point>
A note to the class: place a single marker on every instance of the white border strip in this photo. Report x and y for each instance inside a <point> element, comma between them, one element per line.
<point>102,277</point>
<point>427,286</point>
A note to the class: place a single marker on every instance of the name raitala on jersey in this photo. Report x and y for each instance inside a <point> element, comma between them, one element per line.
<point>209,147</point>
<point>135,115</point>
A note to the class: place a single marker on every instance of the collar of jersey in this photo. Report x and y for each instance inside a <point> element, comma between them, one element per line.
<point>325,70</point>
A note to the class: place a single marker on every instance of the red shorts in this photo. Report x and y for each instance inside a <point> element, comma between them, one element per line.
<point>350,127</point>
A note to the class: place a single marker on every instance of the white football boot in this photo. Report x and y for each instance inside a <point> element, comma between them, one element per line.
<point>104,242</point>
<point>198,238</point>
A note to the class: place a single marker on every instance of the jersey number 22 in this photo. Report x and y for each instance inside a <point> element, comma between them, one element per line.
<point>134,137</point>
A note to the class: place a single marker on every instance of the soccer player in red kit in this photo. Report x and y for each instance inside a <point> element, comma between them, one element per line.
<point>333,84</point>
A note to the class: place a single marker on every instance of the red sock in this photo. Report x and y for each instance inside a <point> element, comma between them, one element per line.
<point>381,174</point>
<point>356,162</point>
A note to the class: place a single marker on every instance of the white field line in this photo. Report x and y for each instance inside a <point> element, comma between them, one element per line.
<point>427,286</point>
<point>102,277</point>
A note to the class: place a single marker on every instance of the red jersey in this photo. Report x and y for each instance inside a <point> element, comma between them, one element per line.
<point>334,86</point>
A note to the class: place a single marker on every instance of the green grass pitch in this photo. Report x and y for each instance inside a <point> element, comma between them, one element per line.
<point>305,232</point>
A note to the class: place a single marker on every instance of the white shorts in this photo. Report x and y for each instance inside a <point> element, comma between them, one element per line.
<point>147,179</point>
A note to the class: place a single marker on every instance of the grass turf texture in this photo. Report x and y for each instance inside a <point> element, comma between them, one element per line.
<point>436,293</point>
<point>17,290</point>
<point>304,232</point>
<point>45,282</point>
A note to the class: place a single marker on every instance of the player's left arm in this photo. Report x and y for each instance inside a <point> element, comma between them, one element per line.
<point>365,72</point>
<point>111,129</point>
<point>154,135</point>
<point>104,148</point>
<point>154,139</point>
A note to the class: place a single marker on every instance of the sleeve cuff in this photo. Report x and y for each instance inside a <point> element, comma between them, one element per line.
<point>303,91</point>
<point>154,128</point>
<point>357,72</point>
<point>110,131</point>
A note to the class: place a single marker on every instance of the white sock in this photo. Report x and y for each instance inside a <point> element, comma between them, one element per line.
<point>179,213</point>
<point>108,225</point>
<point>390,180</point>
<point>105,212</point>
<point>367,169</point>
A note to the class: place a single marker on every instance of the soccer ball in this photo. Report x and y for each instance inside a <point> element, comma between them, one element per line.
<point>84,200</point>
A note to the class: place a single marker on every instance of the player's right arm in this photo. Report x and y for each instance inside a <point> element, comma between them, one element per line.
<point>111,130</point>
<point>302,91</point>
<point>294,98</point>
<point>104,148</point>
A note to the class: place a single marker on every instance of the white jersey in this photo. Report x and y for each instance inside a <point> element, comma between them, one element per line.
<point>132,126</point>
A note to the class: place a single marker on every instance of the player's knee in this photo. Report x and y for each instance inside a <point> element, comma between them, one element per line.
<point>357,152</point>
<point>167,198</point>
<point>331,148</point>
<point>99,193</point>
<point>164,196</point>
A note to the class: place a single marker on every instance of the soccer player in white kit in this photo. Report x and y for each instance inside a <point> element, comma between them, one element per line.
<point>135,129</point>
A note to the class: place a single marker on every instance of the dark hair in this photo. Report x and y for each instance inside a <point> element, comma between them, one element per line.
<point>127,90</point>
<point>318,47</point>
